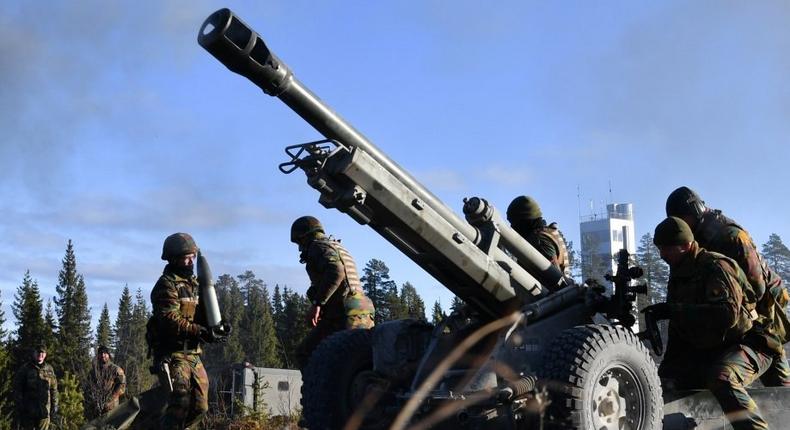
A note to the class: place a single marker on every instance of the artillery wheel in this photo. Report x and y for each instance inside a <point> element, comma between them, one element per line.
<point>339,384</point>
<point>602,378</point>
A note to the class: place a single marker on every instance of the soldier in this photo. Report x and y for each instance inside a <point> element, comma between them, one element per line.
<point>335,292</point>
<point>526,218</point>
<point>108,382</point>
<point>716,232</point>
<point>36,392</point>
<point>710,307</point>
<point>176,331</point>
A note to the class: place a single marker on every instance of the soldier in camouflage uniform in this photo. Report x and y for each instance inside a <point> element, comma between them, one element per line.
<point>36,392</point>
<point>177,329</point>
<point>716,232</point>
<point>526,218</point>
<point>335,292</point>
<point>108,383</point>
<point>711,309</point>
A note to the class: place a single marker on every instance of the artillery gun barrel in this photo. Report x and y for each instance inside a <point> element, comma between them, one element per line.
<point>384,195</point>
<point>243,51</point>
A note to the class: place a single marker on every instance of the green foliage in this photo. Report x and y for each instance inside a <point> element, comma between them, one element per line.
<point>291,325</point>
<point>257,325</point>
<point>6,377</point>
<point>412,303</point>
<point>655,269</point>
<point>29,320</point>
<point>73,343</point>
<point>131,349</point>
<point>104,329</point>
<point>71,403</point>
<point>231,303</point>
<point>777,255</point>
<point>456,304</point>
<point>438,314</point>
<point>380,289</point>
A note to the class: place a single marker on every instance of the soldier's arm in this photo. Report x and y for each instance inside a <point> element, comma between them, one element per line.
<point>546,246</point>
<point>167,311</point>
<point>53,391</point>
<point>707,323</point>
<point>329,265</point>
<point>120,384</point>
<point>741,248</point>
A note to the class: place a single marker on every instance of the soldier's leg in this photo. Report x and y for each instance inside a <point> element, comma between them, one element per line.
<point>728,379</point>
<point>778,375</point>
<point>179,402</point>
<point>199,405</point>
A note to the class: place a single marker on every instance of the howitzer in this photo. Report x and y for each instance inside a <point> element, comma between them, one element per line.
<point>526,334</point>
<point>531,349</point>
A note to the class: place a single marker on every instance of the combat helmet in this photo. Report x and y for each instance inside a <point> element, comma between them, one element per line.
<point>672,231</point>
<point>304,226</point>
<point>523,208</point>
<point>684,201</point>
<point>178,244</point>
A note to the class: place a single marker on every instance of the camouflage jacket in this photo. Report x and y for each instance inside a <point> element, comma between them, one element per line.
<point>177,315</point>
<point>333,278</point>
<point>711,303</point>
<point>108,382</point>
<point>35,390</point>
<point>548,241</point>
<point>718,233</point>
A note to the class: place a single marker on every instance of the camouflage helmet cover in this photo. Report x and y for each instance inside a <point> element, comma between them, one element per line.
<point>671,232</point>
<point>304,226</point>
<point>684,201</point>
<point>178,244</point>
<point>523,208</point>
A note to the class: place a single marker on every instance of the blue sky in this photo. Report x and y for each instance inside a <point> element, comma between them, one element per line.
<point>118,129</point>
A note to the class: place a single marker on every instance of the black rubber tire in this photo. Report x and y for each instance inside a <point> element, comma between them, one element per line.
<point>329,393</point>
<point>585,368</point>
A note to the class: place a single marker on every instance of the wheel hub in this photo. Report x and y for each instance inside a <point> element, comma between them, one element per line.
<point>609,403</point>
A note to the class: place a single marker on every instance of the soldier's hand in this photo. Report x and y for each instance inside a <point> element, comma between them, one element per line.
<point>54,412</point>
<point>205,335</point>
<point>660,311</point>
<point>314,315</point>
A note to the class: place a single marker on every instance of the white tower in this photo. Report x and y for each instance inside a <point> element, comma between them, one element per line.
<point>603,235</point>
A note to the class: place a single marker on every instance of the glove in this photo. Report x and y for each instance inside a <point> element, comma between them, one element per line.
<point>54,412</point>
<point>660,311</point>
<point>205,335</point>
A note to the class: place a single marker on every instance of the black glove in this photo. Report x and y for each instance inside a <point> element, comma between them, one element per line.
<point>660,311</point>
<point>225,328</point>
<point>206,335</point>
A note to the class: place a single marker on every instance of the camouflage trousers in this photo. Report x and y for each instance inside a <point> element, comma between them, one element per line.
<point>188,401</point>
<point>33,424</point>
<point>778,375</point>
<point>325,328</point>
<point>726,375</point>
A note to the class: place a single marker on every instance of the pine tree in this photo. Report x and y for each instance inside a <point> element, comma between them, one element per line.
<point>138,378</point>
<point>294,326</point>
<point>457,304</point>
<point>6,376</point>
<point>72,411</point>
<point>777,255</point>
<point>656,271</point>
<point>438,314</point>
<point>412,302</point>
<point>104,329</point>
<point>380,289</point>
<point>258,334</point>
<point>31,330</point>
<point>50,325</point>
<point>231,304</point>
<point>573,260</point>
<point>124,334</point>
<point>72,349</point>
